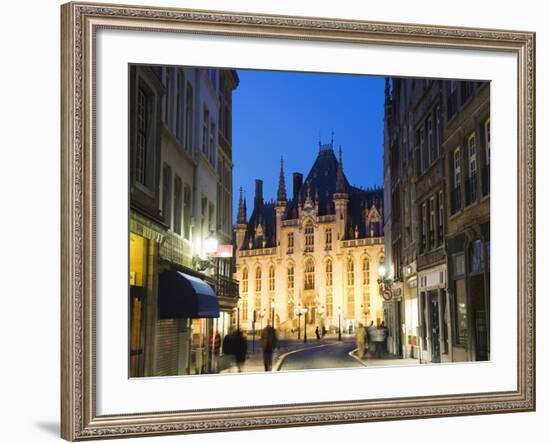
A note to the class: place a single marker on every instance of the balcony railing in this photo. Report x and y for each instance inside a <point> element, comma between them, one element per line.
<point>471,189</point>
<point>456,202</point>
<point>326,218</point>
<point>256,252</point>
<point>485,180</point>
<point>291,222</point>
<point>226,287</point>
<point>362,242</point>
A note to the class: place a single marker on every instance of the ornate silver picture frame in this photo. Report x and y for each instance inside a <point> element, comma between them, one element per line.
<point>80,24</point>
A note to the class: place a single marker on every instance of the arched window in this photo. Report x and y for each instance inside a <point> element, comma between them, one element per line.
<point>350,272</point>
<point>309,235</point>
<point>476,257</point>
<point>328,239</point>
<point>244,307</point>
<point>290,277</point>
<point>350,290</point>
<point>258,290</point>
<point>245,280</point>
<point>309,274</point>
<point>258,279</point>
<point>366,285</point>
<point>366,272</point>
<point>328,273</point>
<point>329,298</point>
<point>271,278</point>
<point>290,243</point>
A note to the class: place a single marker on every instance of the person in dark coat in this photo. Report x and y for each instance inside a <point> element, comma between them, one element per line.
<point>269,342</point>
<point>317,334</point>
<point>240,349</point>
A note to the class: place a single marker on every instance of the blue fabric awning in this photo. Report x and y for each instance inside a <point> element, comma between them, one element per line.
<point>184,296</point>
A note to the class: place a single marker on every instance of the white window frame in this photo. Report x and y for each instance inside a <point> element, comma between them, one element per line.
<point>472,156</point>
<point>456,167</point>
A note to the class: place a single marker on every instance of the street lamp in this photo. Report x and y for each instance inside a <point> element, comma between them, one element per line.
<point>210,244</point>
<point>299,314</point>
<point>273,313</point>
<point>238,312</point>
<point>339,324</point>
<point>305,324</point>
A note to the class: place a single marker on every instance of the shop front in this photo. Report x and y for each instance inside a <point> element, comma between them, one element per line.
<point>434,315</point>
<point>188,311</point>
<point>470,294</point>
<point>410,312</point>
<point>393,319</point>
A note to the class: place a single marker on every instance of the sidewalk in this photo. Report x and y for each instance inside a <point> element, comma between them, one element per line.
<point>255,363</point>
<point>370,360</point>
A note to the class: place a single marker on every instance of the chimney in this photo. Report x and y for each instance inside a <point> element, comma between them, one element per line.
<point>297,185</point>
<point>258,196</point>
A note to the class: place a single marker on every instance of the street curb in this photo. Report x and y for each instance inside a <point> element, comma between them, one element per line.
<point>280,360</point>
<point>352,355</point>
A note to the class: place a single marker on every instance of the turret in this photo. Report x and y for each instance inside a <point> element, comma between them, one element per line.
<point>281,191</point>
<point>259,195</point>
<point>280,208</point>
<point>240,229</point>
<point>341,199</point>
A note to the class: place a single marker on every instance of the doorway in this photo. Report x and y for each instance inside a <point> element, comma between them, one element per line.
<point>434,326</point>
<point>481,332</point>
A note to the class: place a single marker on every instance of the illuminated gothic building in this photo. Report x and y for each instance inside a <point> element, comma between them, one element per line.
<point>312,258</point>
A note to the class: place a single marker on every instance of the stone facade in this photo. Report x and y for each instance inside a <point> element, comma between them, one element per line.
<point>437,161</point>
<point>318,250</point>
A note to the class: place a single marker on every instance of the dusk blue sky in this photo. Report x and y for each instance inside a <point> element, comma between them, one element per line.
<point>284,113</point>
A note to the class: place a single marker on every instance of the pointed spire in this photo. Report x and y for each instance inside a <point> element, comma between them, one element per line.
<point>281,192</point>
<point>240,212</point>
<point>340,180</point>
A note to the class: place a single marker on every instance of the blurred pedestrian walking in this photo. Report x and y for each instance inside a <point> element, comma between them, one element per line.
<point>269,342</point>
<point>360,336</point>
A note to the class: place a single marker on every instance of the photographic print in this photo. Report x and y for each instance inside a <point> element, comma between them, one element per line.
<point>286,221</point>
<point>299,200</point>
